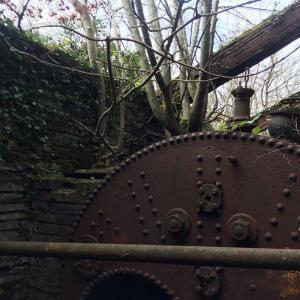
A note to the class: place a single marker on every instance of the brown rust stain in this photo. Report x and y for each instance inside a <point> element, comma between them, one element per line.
<point>290,284</point>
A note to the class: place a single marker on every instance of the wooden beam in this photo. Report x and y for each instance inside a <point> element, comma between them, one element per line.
<point>257,44</point>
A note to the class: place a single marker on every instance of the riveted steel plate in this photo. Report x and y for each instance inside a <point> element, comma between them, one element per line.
<point>258,177</point>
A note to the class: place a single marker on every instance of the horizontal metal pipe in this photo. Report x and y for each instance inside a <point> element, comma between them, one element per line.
<point>285,259</point>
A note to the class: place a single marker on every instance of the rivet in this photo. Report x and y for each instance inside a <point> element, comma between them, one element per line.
<point>158,224</point>
<point>145,232</point>
<point>164,143</point>
<point>199,171</point>
<point>186,137</point>
<point>199,224</point>
<point>218,184</point>
<point>232,159</point>
<point>151,148</point>
<point>209,134</point>
<point>218,239</point>
<point>129,182</point>
<point>178,139</point>
<point>133,195</point>
<point>139,154</point>
<point>193,136</point>
<point>261,140</point>
<point>201,136</point>
<point>271,142</point>
<point>280,207</point>
<point>199,183</point>
<point>218,157</point>
<point>154,211</point>
<point>108,220</point>
<point>217,135</point>
<point>290,148</point>
<point>298,151</point>
<point>225,135</point>
<point>146,186</point>
<point>150,198</point>
<point>145,151</point>
<point>122,164</point>
<point>100,212</point>
<point>199,238</point>
<point>279,145</point>
<point>274,222</point>
<point>137,207</point>
<point>100,233</point>
<point>252,287</point>
<point>218,226</point>
<point>171,141</point>
<point>117,229</point>
<point>127,161</point>
<point>218,171</point>
<point>141,220</point>
<point>199,157</point>
<point>252,138</point>
<point>142,174</point>
<point>163,238</point>
<point>268,236</point>
<point>244,136</point>
<point>298,219</point>
<point>293,177</point>
<point>157,146</point>
<point>93,224</point>
<point>294,235</point>
<point>234,135</point>
<point>286,192</point>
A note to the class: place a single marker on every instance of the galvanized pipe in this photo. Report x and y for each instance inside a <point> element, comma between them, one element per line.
<point>287,259</point>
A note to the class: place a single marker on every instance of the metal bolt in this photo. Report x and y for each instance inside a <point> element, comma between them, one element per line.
<point>199,224</point>
<point>274,222</point>
<point>287,192</point>
<point>268,236</point>
<point>294,235</point>
<point>240,230</point>
<point>200,171</point>
<point>218,226</point>
<point>199,157</point>
<point>218,157</point>
<point>252,287</point>
<point>293,177</point>
<point>218,171</point>
<point>218,239</point>
<point>199,238</point>
<point>280,207</point>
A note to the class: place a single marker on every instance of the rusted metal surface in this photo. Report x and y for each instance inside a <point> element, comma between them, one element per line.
<point>277,259</point>
<point>251,176</point>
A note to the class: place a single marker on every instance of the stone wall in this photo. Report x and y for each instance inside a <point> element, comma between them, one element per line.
<point>55,206</point>
<point>14,225</point>
<point>40,142</point>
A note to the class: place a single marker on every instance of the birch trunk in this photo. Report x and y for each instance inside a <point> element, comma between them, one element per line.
<point>92,50</point>
<point>199,105</point>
